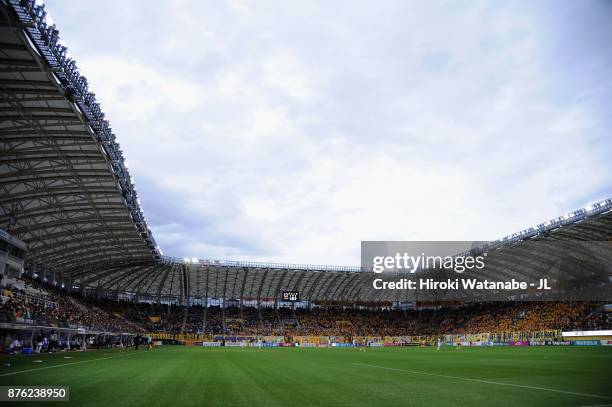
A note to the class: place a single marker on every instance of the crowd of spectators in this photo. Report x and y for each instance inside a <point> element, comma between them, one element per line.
<point>319,321</point>
<point>53,307</point>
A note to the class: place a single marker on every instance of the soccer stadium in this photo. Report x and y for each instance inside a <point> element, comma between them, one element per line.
<point>93,313</point>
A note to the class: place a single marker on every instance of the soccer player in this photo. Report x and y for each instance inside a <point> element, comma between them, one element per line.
<point>15,347</point>
<point>439,343</point>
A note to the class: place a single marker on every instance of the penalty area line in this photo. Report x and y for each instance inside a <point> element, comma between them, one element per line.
<point>523,386</point>
<point>64,364</point>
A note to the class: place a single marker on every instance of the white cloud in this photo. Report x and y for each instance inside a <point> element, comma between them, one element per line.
<point>290,133</point>
<point>138,91</point>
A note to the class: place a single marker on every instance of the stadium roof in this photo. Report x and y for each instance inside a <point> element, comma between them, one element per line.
<point>66,191</point>
<point>65,188</point>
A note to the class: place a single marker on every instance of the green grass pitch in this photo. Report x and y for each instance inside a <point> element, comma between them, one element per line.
<point>195,376</point>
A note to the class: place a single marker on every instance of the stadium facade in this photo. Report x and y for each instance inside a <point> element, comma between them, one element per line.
<point>67,193</point>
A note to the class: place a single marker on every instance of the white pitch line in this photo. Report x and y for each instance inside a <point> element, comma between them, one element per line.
<point>487,381</point>
<point>63,364</point>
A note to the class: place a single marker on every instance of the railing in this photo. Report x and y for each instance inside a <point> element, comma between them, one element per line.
<point>542,228</point>
<point>262,265</point>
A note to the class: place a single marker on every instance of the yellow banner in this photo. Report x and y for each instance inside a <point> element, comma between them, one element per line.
<point>177,337</point>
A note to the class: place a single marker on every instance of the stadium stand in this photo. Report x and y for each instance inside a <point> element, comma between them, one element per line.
<point>25,302</point>
<point>92,262</point>
<point>80,269</point>
<point>22,304</point>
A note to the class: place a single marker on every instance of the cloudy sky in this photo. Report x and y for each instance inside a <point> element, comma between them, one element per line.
<point>291,131</point>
